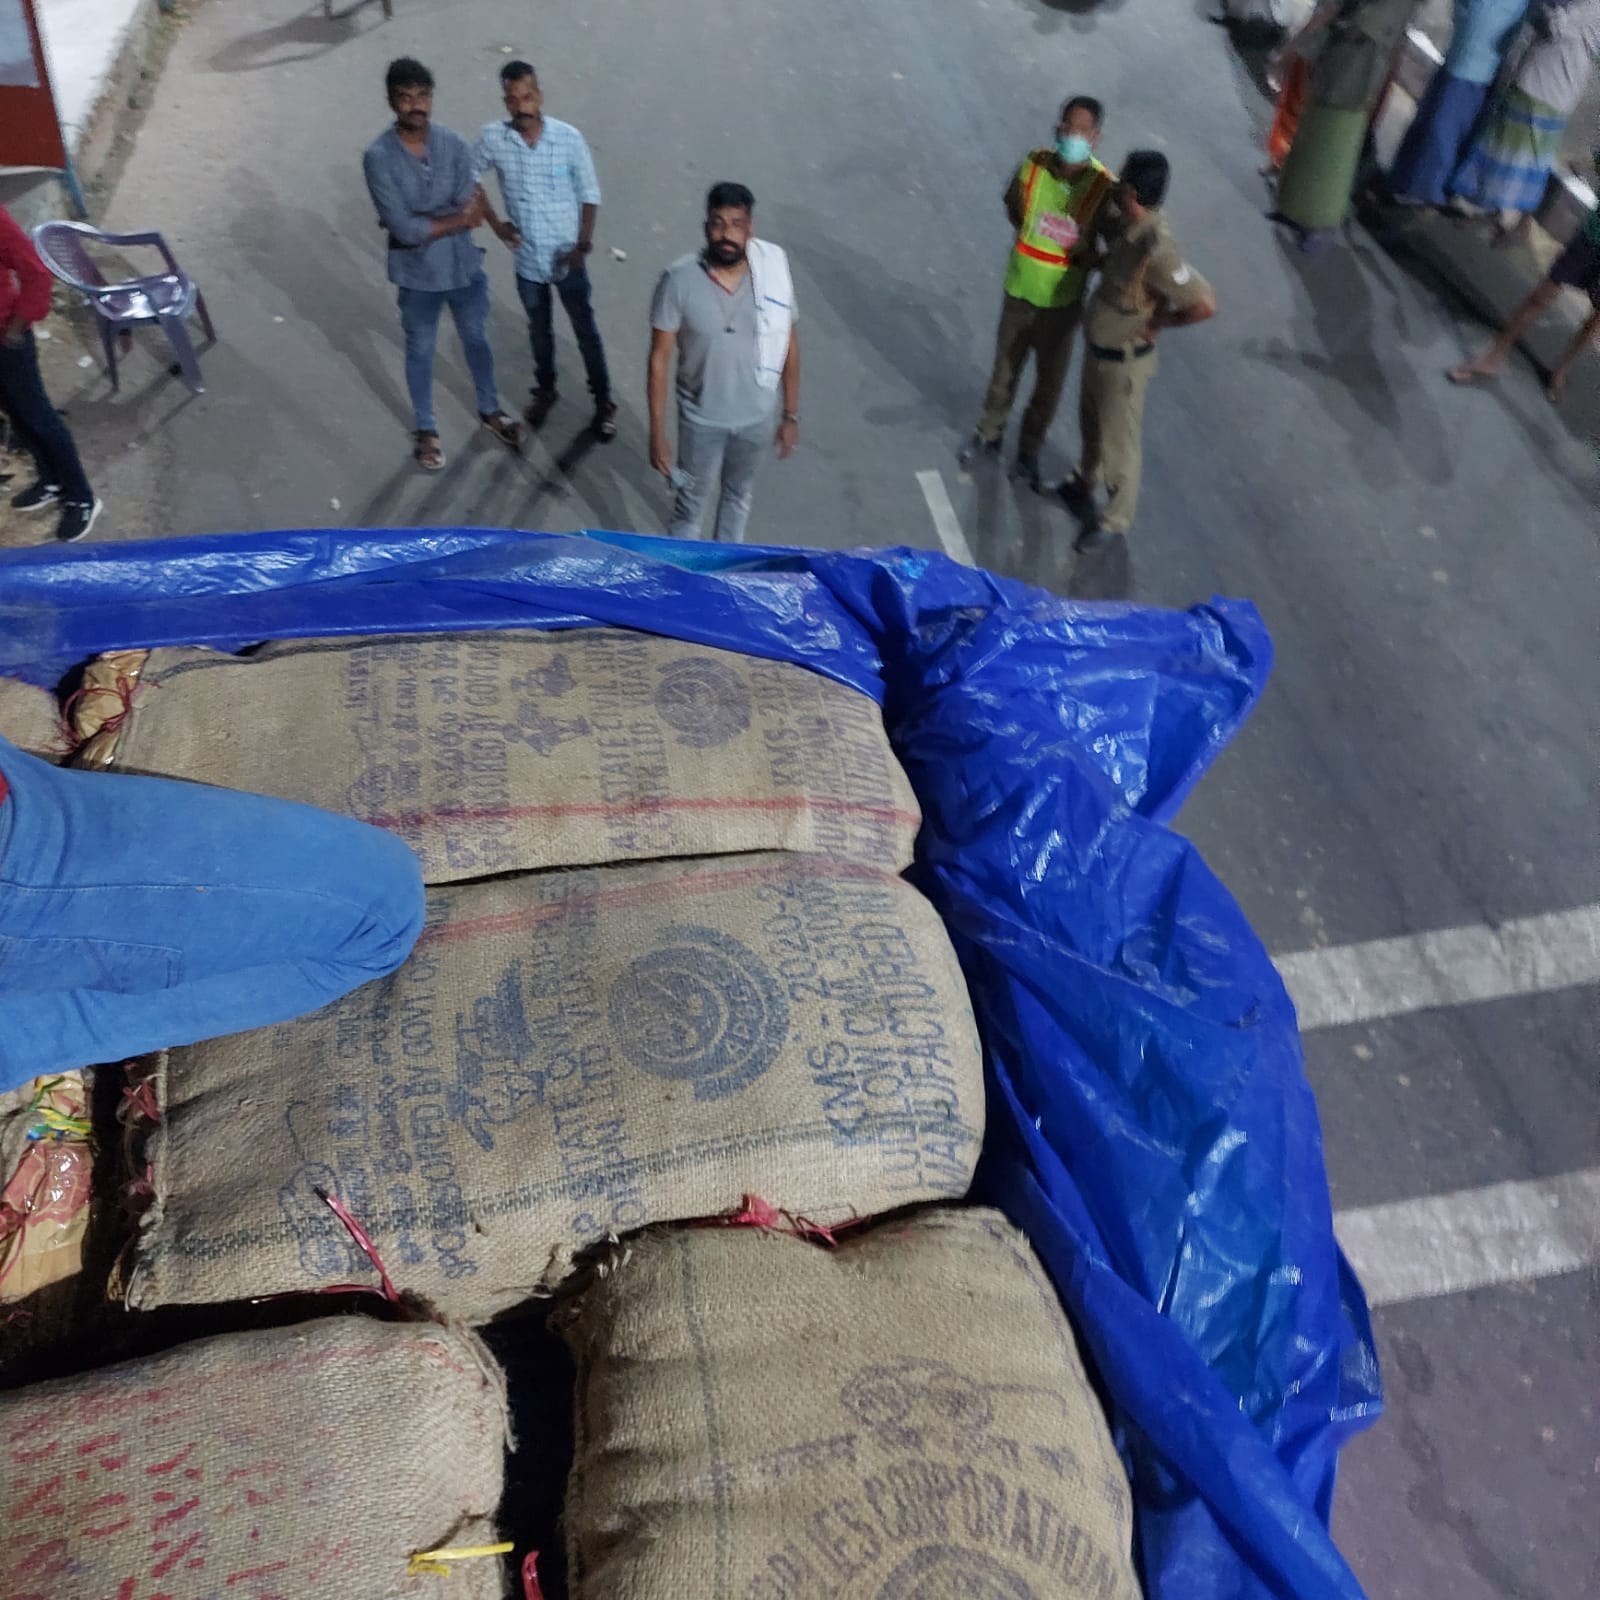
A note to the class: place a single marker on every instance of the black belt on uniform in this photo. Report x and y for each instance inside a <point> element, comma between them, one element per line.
<point>1100,353</point>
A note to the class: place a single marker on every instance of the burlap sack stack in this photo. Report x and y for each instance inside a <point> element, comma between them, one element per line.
<point>313,1460</point>
<point>569,1056</point>
<point>903,1418</point>
<point>510,752</point>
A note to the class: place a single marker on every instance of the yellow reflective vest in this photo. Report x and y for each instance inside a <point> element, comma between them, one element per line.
<point>1057,216</point>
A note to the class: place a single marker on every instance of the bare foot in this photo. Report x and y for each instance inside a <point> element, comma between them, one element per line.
<point>1555,386</point>
<point>1470,372</point>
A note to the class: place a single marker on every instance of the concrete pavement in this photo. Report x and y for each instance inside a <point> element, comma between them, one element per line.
<point>1425,556</point>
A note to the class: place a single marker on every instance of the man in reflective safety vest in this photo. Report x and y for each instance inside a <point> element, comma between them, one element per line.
<point>1051,202</point>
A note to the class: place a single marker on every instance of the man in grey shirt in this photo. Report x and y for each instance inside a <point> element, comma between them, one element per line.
<point>729,313</point>
<point>421,181</point>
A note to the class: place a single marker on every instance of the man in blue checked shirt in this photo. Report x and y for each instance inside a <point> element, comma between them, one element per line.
<point>552,198</point>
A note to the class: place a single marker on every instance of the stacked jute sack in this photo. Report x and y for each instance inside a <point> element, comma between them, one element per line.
<point>30,718</point>
<point>313,1460</point>
<point>728,1007</point>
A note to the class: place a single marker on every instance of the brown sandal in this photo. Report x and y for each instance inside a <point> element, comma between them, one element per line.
<point>425,451</point>
<point>504,427</point>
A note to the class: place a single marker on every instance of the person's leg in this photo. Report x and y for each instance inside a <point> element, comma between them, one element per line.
<point>577,296</point>
<point>39,424</point>
<point>742,456</point>
<point>535,299</point>
<point>1488,361</point>
<point>469,308</point>
<point>139,913</point>
<point>1091,404</point>
<point>1556,383</point>
<point>1123,434</point>
<point>697,474</point>
<point>1013,339</point>
<point>1052,355</point>
<point>419,321</point>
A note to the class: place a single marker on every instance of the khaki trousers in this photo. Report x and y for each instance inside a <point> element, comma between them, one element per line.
<point>1046,333</point>
<point>1111,419</point>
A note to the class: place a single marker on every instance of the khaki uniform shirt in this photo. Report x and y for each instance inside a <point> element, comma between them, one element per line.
<point>1141,273</point>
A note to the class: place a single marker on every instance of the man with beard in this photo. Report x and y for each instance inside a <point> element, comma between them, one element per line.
<point>552,198</point>
<point>729,313</point>
<point>428,201</point>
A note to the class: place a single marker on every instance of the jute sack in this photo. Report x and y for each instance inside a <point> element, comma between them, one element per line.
<point>903,1418</point>
<point>567,1056</point>
<point>311,1460</point>
<point>506,752</point>
<point>30,718</point>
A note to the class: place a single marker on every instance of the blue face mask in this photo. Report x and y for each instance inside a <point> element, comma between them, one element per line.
<point>1073,148</point>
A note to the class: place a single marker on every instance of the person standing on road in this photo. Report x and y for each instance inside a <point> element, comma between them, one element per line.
<point>35,423</point>
<point>1051,202</point>
<point>1508,167</point>
<point>1577,267</point>
<point>552,199</point>
<point>730,315</point>
<point>1145,286</point>
<point>428,201</point>
<point>1354,63</point>
<point>1441,131</point>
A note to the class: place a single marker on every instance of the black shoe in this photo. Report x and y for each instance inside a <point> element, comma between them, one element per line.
<point>1092,539</point>
<point>1026,470</point>
<point>974,447</point>
<point>36,497</point>
<point>77,518</point>
<point>605,421</point>
<point>538,406</point>
<point>1075,494</point>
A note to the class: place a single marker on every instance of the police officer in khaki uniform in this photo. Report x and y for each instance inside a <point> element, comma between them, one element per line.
<point>1145,286</point>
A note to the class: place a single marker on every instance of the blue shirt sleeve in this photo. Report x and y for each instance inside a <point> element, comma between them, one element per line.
<point>584,179</point>
<point>402,224</point>
<point>482,156</point>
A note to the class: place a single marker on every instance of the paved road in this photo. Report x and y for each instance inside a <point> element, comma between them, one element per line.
<point>1425,557</point>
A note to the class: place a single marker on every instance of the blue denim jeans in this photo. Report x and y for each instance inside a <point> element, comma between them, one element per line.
<point>420,310</point>
<point>575,296</point>
<point>137,913</point>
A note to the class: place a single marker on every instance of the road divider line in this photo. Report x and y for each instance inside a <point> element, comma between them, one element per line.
<point>945,522</point>
<point>1474,1239</point>
<point>1451,966</point>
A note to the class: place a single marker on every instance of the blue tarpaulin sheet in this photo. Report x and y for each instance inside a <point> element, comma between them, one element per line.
<point>1151,1127</point>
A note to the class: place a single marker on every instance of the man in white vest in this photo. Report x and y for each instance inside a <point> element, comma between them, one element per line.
<point>729,313</point>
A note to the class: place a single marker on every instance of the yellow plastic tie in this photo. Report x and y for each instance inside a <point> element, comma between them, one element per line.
<point>438,1561</point>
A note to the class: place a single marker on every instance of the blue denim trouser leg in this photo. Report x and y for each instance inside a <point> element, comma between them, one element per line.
<point>470,309</point>
<point>137,913</point>
<point>419,320</point>
<point>420,310</point>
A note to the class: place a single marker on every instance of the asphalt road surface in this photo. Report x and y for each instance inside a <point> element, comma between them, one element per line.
<point>1425,557</point>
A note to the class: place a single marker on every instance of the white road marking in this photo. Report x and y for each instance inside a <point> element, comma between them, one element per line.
<point>945,522</point>
<point>1507,1233</point>
<point>1449,967</point>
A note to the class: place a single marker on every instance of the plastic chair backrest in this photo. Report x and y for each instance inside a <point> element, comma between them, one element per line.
<point>61,246</point>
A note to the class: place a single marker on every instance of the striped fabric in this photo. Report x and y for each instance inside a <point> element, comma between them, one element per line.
<point>1508,167</point>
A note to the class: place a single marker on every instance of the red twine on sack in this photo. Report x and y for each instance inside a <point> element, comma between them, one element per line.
<point>530,1577</point>
<point>139,1099</point>
<point>759,1213</point>
<point>365,1246</point>
<point>124,689</point>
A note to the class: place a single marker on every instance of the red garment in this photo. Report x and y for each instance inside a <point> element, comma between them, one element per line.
<point>24,278</point>
<point>4,791</point>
